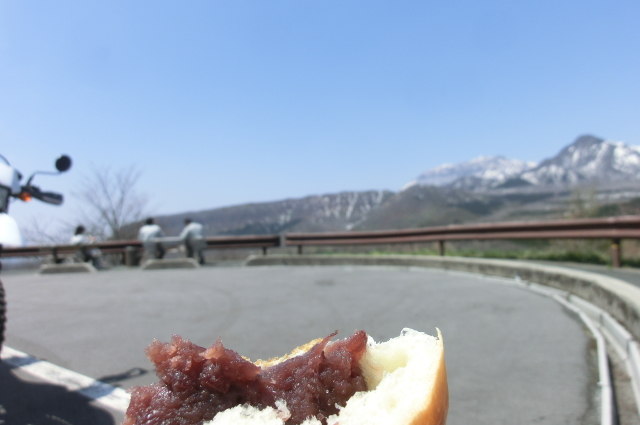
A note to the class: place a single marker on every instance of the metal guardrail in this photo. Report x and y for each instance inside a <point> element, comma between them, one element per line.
<point>253,241</point>
<point>121,247</point>
<point>615,229</point>
<point>110,247</point>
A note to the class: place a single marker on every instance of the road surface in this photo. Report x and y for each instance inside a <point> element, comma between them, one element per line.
<point>512,356</point>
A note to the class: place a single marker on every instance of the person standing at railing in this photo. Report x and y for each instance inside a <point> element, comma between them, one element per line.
<point>147,234</point>
<point>85,254</point>
<point>194,241</point>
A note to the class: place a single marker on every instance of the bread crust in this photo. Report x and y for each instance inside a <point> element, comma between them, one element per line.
<point>436,406</point>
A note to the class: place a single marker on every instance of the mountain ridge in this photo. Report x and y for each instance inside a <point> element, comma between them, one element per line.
<point>587,159</point>
<point>586,174</point>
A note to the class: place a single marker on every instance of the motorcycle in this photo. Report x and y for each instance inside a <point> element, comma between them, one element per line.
<point>10,187</point>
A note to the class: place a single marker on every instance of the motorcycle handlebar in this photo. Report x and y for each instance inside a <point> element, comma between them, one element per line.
<point>48,197</point>
<point>51,198</point>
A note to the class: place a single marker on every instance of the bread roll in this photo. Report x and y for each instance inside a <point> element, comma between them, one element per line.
<point>406,382</point>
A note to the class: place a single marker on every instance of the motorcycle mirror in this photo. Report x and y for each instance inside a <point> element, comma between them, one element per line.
<point>63,163</point>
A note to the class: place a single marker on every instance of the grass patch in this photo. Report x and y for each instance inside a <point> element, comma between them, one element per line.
<point>631,262</point>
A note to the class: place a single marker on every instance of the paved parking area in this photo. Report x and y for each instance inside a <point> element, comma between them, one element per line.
<point>512,356</point>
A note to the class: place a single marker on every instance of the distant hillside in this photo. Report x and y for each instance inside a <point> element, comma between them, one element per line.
<point>418,206</point>
<point>321,213</point>
<point>422,206</point>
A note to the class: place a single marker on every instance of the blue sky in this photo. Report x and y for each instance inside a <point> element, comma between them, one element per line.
<point>227,102</point>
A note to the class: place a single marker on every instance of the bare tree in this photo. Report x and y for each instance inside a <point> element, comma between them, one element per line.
<point>47,231</point>
<point>113,203</point>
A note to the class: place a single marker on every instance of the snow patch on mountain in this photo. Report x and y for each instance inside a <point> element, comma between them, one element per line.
<point>588,159</point>
<point>487,171</point>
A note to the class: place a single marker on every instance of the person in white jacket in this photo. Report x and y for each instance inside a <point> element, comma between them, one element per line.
<point>147,234</point>
<point>194,240</point>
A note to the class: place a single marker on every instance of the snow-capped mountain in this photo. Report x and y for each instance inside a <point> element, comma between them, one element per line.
<point>588,159</point>
<point>484,171</point>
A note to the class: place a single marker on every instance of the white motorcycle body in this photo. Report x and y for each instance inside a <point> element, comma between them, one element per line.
<point>10,235</point>
<point>9,178</point>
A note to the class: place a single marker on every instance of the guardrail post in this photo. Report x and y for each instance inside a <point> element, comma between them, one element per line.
<point>299,249</point>
<point>441,248</point>
<point>615,252</point>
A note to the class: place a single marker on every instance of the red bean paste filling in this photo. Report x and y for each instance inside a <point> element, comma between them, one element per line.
<point>197,383</point>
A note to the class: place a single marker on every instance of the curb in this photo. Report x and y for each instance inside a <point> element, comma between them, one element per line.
<point>171,263</point>
<point>67,268</point>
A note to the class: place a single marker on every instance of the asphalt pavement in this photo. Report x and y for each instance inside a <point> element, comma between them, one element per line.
<point>512,356</point>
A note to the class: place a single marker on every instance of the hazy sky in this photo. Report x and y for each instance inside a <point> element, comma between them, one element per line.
<point>228,102</point>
